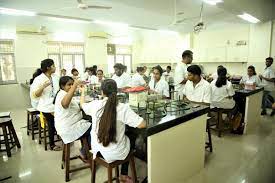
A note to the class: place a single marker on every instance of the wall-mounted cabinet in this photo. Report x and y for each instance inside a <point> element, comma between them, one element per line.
<point>221,54</point>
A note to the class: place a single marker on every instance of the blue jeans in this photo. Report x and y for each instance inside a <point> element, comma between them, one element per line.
<point>267,100</point>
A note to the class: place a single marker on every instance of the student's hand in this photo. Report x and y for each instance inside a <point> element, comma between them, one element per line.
<point>78,82</point>
<point>82,89</point>
<point>46,84</point>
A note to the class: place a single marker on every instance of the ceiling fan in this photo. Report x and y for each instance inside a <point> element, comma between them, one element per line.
<point>84,6</point>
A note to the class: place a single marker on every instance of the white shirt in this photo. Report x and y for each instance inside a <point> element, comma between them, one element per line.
<point>123,80</point>
<point>180,75</point>
<point>85,76</point>
<point>253,79</point>
<point>34,100</point>
<point>219,95</point>
<point>160,87</point>
<point>168,76</point>
<point>214,75</point>
<point>200,93</point>
<point>137,80</point>
<point>45,101</point>
<point>268,73</point>
<point>125,115</point>
<point>68,122</point>
<point>93,79</point>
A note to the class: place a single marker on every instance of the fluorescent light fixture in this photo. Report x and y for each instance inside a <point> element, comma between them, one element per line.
<point>112,24</point>
<point>212,2</point>
<point>167,31</point>
<point>7,11</point>
<point>69,20</point>
<point>249,18</point>
<point>24,174</point>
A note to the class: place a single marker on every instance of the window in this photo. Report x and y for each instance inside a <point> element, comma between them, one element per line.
<point>67,56</point>
<point>7,62</point>
<point>119,54</point>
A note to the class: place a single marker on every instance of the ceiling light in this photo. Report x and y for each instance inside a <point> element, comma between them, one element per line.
<point>70,20</point>
<point>15,12</point>
<point>212,2</point>
<point>112,24</point>
<point>249,18</point>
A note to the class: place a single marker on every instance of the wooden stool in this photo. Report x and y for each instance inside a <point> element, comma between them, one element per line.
<point>12,139</point>
<point>208,144</point>
<point>31,113</point>
<point>219,126</point>
<point>66,158</point>
<point>115,164</point>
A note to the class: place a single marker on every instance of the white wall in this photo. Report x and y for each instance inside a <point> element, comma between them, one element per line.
<point>96,53</point>
<point>29,51</point>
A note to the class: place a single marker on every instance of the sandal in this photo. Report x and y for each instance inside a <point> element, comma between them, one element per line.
<point>56,148</point>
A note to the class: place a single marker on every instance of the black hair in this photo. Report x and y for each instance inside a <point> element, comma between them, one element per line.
<point>187,53</point>
<point>92,69</point>
<point>107,124</point>
<point>269,58</point>
<point>99,71</point>
<point>194,69</point>
<point>45,64</point>
<point>222,80</point>
<point>168,67</point>
<point>253,69</point>
<point>158,67</point>
<point>74,70</point>
<point>119,66</point>
<point>95,67</point>
<point>35,74</point>
<point>62,82</point>
<point>140,69</point>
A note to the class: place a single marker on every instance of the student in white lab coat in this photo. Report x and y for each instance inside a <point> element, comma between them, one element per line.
<point>34,100</point>
<point>168,74</point>
<point>63,72</point>
<point>268,81</point>
<point>251,77</point>
<point>68,117</point>
<point>137,78</point>
<point>222,97</point>
<point>108,127</point>
<point>44,88</point>
<point>100,77</point>
<point>121,78</point>
<point>180,77</point>
<point>158,85</point>
<point>75,74</point>
<point>197,89</point>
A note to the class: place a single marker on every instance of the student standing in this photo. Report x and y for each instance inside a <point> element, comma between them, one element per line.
<point>158,85</point>
<point>137,78</point>
<point>168,74</point>
<point>45,86</point>
<point>108,128</point>
<point>268,81</point>
<point>121,78</point>
<point>196,88</point>
<point>180,77</point>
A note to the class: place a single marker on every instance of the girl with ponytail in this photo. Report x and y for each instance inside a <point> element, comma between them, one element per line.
<point>108,129</point>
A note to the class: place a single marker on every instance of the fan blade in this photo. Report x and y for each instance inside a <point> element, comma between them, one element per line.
<point>100,7</point>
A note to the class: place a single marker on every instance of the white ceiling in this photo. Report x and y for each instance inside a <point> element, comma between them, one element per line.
<point>157,14</point>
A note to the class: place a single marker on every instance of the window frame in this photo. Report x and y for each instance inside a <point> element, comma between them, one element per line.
<point>60,53</point>
<point>15,81</point>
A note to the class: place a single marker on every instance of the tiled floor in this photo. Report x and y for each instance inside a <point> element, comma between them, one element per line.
<point>236,159</point>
